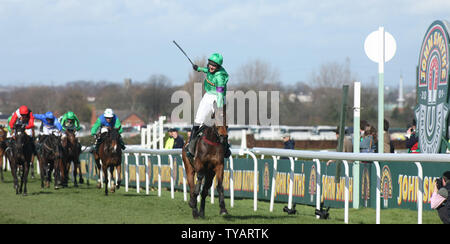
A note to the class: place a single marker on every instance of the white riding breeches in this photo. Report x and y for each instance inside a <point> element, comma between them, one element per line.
<point>205,108</point>
<point>49,131</point>
<point>27,131</point>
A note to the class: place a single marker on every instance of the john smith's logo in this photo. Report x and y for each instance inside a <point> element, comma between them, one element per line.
<point>386,185</point>
<point>432,88</point>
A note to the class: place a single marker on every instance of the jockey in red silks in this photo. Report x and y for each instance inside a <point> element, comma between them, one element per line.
<point>23,116</point>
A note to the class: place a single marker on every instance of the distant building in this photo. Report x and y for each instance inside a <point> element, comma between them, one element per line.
<point>133,120</point>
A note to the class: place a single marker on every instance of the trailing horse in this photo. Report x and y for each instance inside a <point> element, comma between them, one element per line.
<point>19,152</point>
<point>71,153</point>
<point>2,149</point>
<point>109,156</point>
<point>50,156</point>
<point>207,163</point>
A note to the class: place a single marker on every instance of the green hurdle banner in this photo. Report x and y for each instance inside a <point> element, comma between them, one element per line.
<point>399,180</point>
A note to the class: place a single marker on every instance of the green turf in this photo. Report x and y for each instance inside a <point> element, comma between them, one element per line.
<point>87,204</point>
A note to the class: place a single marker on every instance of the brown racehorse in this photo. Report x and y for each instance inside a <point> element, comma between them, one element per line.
<point>19,153</point>
<point>2,149</point>
<point>110,155</point>
<point>71,152</point>
<point>51,158</point>
<point>207,163</point>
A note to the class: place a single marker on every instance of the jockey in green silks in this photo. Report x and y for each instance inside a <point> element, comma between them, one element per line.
<point>70,121</point>
<point>107,120</point>
<point>215,85</point>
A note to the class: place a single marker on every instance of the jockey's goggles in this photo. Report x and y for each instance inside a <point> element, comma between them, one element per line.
<point>212,63</point>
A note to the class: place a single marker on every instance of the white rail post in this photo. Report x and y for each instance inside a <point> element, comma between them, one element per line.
<point>255,179</point>
<point>318,180</point>
<point>184,181</point>
<point>272,193</point>
<point>172,192</point>
<point>161,131</point>
<point>149,136</point>
<point>159,175</point>
<point>126,171</point>
<point>101,174</point>
<point>346,197</point>
<point>147,177</point>
<point>138,185</point>
<point>291,182</point>
<point>378,204</point>
<point>155,135</point>
<point>419,192</point>
<point>143,130</point>
<point>212,190</point>
<point>231,181</point>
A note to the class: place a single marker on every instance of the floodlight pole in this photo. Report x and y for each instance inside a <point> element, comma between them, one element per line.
<point>356,138</point>
<point>381,90</point>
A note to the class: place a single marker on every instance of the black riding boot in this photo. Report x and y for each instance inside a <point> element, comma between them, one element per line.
<point>192,141</point>
<point>227,150</point>
<point>122,143</point>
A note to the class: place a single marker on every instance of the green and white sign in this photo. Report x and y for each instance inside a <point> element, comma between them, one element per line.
<point>432,89</point>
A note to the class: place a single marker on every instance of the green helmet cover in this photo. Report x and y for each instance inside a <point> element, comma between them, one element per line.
<point>70,115</point>
<point>216,58</point>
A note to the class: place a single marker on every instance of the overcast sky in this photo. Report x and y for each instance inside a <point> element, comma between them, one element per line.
<point>58,41</point>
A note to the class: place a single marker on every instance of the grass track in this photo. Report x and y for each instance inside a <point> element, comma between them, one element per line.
<point>88,205</point>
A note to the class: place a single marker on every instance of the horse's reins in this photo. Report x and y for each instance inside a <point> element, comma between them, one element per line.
<point>210,142</point>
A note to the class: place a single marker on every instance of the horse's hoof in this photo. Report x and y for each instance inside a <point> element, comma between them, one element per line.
<point>223,212</point>
<point>195,214</point>
<point>81,181</point>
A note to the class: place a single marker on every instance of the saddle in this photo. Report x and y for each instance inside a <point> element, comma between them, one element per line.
<point>200,135</point>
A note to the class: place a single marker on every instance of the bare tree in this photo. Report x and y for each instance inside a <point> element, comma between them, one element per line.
<point>333,74</point>
<point>256,75</point>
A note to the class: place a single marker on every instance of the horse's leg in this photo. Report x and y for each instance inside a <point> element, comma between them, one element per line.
<point>190,179</point>
<point>14,174</point>
<point>1,167</point>
<point>105,177</point>
<point>75,169</point>
<point>65,164</point>
<point>51,169</point>
<point>119,175</point>
<point>21,173</point>
<point>32,166</point>
<point>42,170</point>
<point>26,169</point>
<point>111,171</point>
<point>208,182</point>
<point>76,161</point>
<point>219,177</point>
<point>57,169</point>
<point>193,201</point>
<point>99,168</point>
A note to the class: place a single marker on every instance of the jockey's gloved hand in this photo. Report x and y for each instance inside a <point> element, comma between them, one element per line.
<point>195,67</point>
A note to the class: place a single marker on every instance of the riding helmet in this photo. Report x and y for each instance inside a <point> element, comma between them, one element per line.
<point>109,113</point>
<point>216,58</point>
<point>24,109</point>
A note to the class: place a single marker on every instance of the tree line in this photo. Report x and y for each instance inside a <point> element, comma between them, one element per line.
<point>151,98</point>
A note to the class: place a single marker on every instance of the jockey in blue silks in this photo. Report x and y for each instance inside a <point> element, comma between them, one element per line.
<point>49,123</point>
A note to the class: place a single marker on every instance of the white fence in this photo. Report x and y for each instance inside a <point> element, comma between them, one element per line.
<point>417,159</point>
